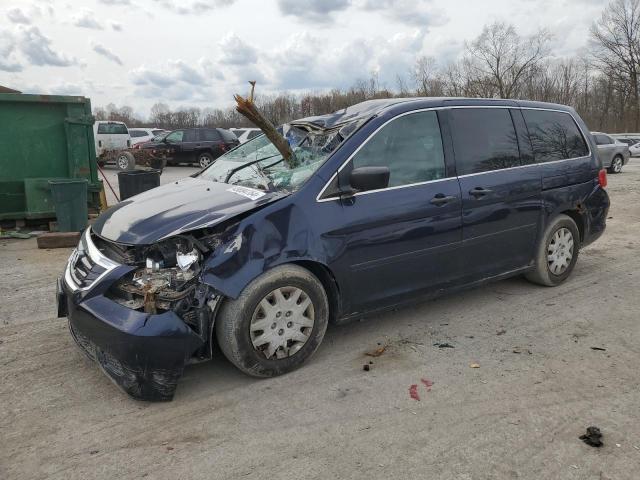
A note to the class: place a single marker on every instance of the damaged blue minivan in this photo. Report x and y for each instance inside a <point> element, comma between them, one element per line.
<point>384,203</point>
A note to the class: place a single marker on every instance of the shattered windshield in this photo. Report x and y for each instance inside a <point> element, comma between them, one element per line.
<point>258,163</point>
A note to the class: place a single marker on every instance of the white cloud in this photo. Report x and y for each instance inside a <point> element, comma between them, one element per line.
<point>28,45</point>
<point>418,13</point>
<point>235,51</point>
<point>16,15</point>
<point>195,7</point>
<point>86,19</point>
<point>313,10</point>
<point>105,52</point>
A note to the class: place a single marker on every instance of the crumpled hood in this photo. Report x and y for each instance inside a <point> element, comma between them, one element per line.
<point>177,207</point>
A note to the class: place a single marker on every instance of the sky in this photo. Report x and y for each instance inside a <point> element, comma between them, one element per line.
<point>200,52</point>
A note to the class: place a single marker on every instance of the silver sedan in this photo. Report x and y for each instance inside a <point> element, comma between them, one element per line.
<point>614,154</point>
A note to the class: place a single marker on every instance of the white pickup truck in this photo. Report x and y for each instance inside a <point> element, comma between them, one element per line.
<point>112,139</point>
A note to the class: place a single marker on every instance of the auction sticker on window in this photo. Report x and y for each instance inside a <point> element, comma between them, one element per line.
<point>251,193</point>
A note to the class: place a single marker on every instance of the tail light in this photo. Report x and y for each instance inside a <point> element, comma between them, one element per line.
<point>602,178</point>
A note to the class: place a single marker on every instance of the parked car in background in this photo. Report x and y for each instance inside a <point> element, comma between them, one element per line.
<point>631,139</point>
<point>245,134</point>
<point>193,145</point>
<point>614,154</point>
<point>111,138</point>
<point>384,203</point>
<point>141,135</point>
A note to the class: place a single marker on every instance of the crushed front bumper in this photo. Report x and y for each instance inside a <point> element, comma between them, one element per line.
<point>143,354</point>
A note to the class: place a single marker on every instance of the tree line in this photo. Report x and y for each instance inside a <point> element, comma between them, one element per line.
<point>602,84</point>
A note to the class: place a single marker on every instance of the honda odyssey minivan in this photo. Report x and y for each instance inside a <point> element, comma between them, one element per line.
<point>381,204</point>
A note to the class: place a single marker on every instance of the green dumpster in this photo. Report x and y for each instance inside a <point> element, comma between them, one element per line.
<point>44,138</point>
<point>70,200</point>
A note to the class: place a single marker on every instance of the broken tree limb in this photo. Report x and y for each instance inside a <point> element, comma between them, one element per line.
<point>247,108</point>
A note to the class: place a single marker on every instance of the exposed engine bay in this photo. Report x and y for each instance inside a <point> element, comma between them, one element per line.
<point>166,278</point>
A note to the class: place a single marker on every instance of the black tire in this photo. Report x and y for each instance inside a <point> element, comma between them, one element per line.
<point>542,274</point>
<point>205,159</point>
<point>234,320</point>
<point>125,161</point>
<point>617,163</point>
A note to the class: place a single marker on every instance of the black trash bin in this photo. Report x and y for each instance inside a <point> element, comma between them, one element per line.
<point>133,182</point>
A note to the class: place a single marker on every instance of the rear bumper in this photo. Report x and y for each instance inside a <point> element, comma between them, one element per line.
<point>143,354</point>
<point>596,210</point>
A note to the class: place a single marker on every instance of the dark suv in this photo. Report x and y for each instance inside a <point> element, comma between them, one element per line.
<point>382,203</point>
<point>193,145</point>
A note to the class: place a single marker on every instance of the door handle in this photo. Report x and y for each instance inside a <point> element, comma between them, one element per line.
<point>441,199</point>
<point>479,192</point>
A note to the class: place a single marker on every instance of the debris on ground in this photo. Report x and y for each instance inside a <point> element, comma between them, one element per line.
<point>93,452</point>
<point>474,365</point>
<point>14,234</point>
<point>502,331</point>
<point>599,349</point>
<point>427,383</point>
<point>413,392</point>
<point>366,367</point>
<point>377,352</point>
<point>443,345</point>
<point>593,437</point>
<point>520,350</point>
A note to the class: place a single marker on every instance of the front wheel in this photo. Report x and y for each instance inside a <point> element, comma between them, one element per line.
<point>205,159</point>
<point>557,252</point>
<point>616,164</point>
<point>276,323</point>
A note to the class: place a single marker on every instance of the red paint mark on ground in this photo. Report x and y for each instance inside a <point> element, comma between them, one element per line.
<point>427,383</point>
<point>413,392</point>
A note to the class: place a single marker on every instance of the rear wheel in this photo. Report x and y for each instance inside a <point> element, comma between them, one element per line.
<point>276,323</point>
<point>557,252</point>
<point>205,159</point>
<point>125,161</point>
<point>616,164</point>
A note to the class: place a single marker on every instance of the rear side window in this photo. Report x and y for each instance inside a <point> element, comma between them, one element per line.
<point>190,136</point>
<point>411,146</point>
<point>484,139</point>
<point>227,135</point>
<point>209,135</point>
<point>554,136</point>
<point>603,140</point>
<point>113,128</point>
<point>137,133</point>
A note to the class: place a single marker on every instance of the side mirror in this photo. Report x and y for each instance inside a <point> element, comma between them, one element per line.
<point>363,179</point>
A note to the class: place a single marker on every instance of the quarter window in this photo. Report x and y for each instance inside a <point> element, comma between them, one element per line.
<point>554,136</point>
<point>603,140</point>
<point>484,139</point>
<point>410,146</point>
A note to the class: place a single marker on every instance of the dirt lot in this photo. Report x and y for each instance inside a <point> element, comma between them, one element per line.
<point>518,415</point>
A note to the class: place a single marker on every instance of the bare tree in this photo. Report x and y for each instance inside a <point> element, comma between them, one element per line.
<point>617,39</point>
<point>502,58</point>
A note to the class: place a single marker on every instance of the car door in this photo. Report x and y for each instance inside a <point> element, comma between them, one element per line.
<point>501,197</point>
<point>606,148</point>
<point>172,146</point>
<point>191,146</point>
<point>404,238</point>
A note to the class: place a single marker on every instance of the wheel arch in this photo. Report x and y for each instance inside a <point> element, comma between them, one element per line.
<point>578,218</point>
<point>328,281</point>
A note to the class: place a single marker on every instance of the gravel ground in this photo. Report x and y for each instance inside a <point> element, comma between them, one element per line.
<point>518,416</point>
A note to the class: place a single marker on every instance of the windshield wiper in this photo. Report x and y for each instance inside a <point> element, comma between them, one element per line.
<point>233,171</point>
